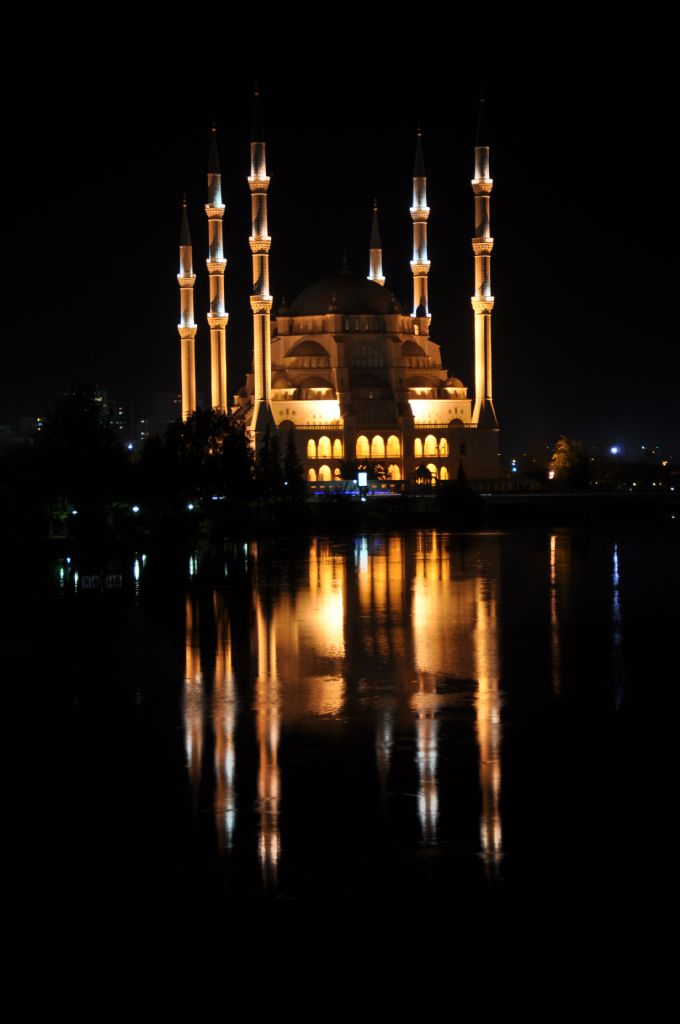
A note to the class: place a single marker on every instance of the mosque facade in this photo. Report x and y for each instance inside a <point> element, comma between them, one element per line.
<point>350,372</point>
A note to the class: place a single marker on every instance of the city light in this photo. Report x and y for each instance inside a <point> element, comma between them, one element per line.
<point>135,508</point>
<point>614,450</point>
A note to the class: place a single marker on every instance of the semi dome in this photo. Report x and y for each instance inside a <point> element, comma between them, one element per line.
<point>345,293</point>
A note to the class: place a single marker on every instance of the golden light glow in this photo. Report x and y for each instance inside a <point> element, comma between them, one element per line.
<point>444,473</point>
<point>393,472</point>
<point>418,448</point>
<point>443,447</point>
<point>378,447</point>
<point>362,448</point>
<point>430,446</point>
<point>311,475</point>
<point>393,447</point>
<point>324,448</point>
<point>554,618</point>
<point>193,703</point>
<point>325,473</point>
<point>337,448</point>
<point>311,448</point>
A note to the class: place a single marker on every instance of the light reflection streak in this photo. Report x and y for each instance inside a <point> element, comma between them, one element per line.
<point>193,704</point>
<point>225,712</point>
<point>267,729</point>
<point>617,631</point>
<point>554,620</point>
<point>488,724</point>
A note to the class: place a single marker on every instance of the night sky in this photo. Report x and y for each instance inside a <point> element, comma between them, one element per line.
<point>584,268</point>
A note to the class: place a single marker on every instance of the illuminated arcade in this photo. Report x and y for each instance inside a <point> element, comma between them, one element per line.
<point>354,375</point>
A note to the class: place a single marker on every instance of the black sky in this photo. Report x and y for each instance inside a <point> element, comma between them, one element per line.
<point>584,268</point>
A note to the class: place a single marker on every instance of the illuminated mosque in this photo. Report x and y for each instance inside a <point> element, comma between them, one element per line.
<point>346,368</point>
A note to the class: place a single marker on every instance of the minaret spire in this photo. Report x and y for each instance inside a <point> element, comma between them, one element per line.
<point>186,326</point>
<point>420,264</point>
<point>217,317</point>
<point>261,299</point>
<point>375,271</point>
<point>484,414</point>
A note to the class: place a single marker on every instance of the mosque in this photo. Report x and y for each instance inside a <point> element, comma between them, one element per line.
<point>346,368</point>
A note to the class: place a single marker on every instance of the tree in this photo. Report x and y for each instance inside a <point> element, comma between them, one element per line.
<point>268,465</point>
<point>569,462</point>
<point>293,471</point>
<point>205,456</point>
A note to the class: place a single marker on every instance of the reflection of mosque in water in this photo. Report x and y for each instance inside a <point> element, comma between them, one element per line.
<point>402,628</point>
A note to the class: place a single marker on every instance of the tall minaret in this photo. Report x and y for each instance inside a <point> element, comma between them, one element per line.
<point>260,300</point>
<point>375,271</point>
<point>484,414</point>
<point>217,317</point>
<point>186,325</point>
<point>420,265</point>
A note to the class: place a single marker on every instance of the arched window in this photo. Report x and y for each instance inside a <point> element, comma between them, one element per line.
<point>311,449</point>
<point>324,448</point>
<point>393,446</point>
<point>377,448</point>
<point>311,476</point>
<point>418,448</point>
<point>430,447</point>
<point>432,468</point>
<point>363,451</point>
<point>325,473</point>
<point>443,447</point>
<point>337,448</point>
<point>444,474</point>
<point>336,473</point>
<point>394,473</point>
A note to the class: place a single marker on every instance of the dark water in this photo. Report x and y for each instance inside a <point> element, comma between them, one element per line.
<point>404,717</point>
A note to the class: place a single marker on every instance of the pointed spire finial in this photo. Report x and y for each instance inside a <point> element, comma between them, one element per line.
<point>258,127</point>
<point>185,234</point>
<point>213,158</point>
<point>419,167</point>
<point>375,230</point>
<point>481,135</point>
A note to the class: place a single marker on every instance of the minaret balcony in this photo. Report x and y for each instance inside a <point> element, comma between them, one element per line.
<point>482,186</point>
<point>263,244</point>
<point>215,212</point>
<point>420,213</point>
<point>258,183</point>
<point>216,266</point>
<point>482,246</point>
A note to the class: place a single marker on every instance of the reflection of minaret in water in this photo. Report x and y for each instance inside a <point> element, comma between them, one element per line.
<point>424,703</point>
<point>432,579</point>
<point>193,695</point>
<point>617,635</point>
<point>268,728</point>
<point>554,620</point>
<point>225,711</point>
<point>488,710</point>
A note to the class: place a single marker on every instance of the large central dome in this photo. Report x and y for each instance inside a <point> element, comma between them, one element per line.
<point>345,293</point>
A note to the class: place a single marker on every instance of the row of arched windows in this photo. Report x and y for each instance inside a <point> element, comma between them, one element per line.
<point>377,449</point>
<point>430,447</point>
<point>323,449</point>
<point>323,474</point>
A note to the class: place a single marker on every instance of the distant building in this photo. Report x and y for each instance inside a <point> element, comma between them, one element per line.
<point>355,376</point>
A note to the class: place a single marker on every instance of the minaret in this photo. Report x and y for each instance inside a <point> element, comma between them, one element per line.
<point>375,271</point>
<point>260,300</point>
<point>217,317</point>
<point>484,414</point>
<point>186,325</point>
<point>420,265</point>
